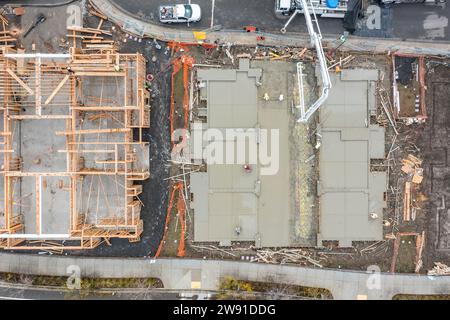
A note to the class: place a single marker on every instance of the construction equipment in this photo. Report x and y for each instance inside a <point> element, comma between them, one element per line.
<point>316,41</point>
<point>323,8</point>
<point>40,18</point>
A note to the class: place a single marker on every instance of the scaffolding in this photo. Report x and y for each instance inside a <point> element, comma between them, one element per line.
<point>72,149</point>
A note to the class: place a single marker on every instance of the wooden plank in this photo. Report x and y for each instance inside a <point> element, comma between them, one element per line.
<point>100,74</point>
<point>88,61</point>
<point>38,86</point>
<point>88,131</point>
<point>106,108</point>
<point>39,117</point>
<point>55,92</point>
<point>20,63</point>
<point>89,30</point>
<point>38,204</point>
<point>23,84</point>
<point>88,151</point>
<point>407,202</point>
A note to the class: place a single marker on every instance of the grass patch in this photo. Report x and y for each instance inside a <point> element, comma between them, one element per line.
<point>86,283</point>
<point>231,288</point>
<point>421,297</point>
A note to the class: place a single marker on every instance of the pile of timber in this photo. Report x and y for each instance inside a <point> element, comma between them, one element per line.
<point>439,269</point>
<point>407,202</point>
<point>92,38</point>
<point>420,244</point>
<point>273,54</point>
<point>296,256</point>
<point>412,167</point>
<point>6,37</point>
<point>338,63</point>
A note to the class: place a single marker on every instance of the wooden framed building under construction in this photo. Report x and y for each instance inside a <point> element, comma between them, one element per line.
<point>72,147</point>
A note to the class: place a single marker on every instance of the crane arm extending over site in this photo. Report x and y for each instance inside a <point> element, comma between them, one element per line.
<point>316,41</point>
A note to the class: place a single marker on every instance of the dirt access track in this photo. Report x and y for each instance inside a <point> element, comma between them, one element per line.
<point>435,144</point>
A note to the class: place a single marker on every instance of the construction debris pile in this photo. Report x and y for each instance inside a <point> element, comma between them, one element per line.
<point>412,167</point>
<point>439,269</point>
<point>282,256</point>
<point>73,145</point>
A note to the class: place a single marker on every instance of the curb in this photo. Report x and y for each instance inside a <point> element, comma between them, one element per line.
<point>133,25</point>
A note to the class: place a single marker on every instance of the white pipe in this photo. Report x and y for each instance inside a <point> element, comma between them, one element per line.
<point>301,89</point>
<point>316,40</point>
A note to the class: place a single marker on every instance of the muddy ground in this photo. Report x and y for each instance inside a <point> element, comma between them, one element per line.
<point>429,141</point>
<point>155,190</point>
<point>434,142</point>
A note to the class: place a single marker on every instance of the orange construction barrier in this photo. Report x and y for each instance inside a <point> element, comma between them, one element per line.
<point>176,187</point>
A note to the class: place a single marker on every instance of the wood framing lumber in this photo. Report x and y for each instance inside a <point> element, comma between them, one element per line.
<point>23,84</point>
<point>100,74</point>
<point>38,204</point>
<point>105,108</point>
<point>88,131</point>
<point>39,117</point>
<point>88,61</point>
<point>415,160</point>
<point>89,30</point>
<point>407,202</point>
<point>87,151</point>
<point>55,92</point>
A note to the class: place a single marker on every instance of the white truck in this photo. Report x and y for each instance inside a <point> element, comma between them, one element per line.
<point>180,13</point>
<point>322,8</point>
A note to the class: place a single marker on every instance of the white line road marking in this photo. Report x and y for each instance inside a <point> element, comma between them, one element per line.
<point>11,298</point>
<point>212,12</point>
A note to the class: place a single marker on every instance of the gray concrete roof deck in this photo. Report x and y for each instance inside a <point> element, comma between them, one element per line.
<point>226,196</point>
<point>348,191</point>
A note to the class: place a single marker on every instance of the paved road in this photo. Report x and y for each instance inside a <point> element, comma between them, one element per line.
<point>185,274</point>
<point>406,21</point>
<point>11,291</point>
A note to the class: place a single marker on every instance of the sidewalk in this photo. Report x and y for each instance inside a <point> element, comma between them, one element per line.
<point>185,274</point>
<point>134,25</point>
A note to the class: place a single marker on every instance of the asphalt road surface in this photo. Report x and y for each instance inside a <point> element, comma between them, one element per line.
<point>403,21</point>
<point>20,292</point>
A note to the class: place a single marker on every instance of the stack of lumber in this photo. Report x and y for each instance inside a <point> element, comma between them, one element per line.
<point>439,269</point>
<point>412,166</point>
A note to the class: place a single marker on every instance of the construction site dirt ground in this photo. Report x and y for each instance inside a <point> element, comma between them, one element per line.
<point>434,142</point>
<point>156,189</point>
<point>428,141</point>
<point>155,195</point>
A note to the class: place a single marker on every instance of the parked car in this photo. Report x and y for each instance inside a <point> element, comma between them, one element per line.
<point>180,13</point>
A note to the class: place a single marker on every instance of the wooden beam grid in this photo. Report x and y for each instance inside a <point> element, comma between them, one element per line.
<point>98,58</point>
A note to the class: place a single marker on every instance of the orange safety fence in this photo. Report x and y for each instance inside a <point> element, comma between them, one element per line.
<point>176,187</point>
<point>184,63</point>
<point>177,46</point>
